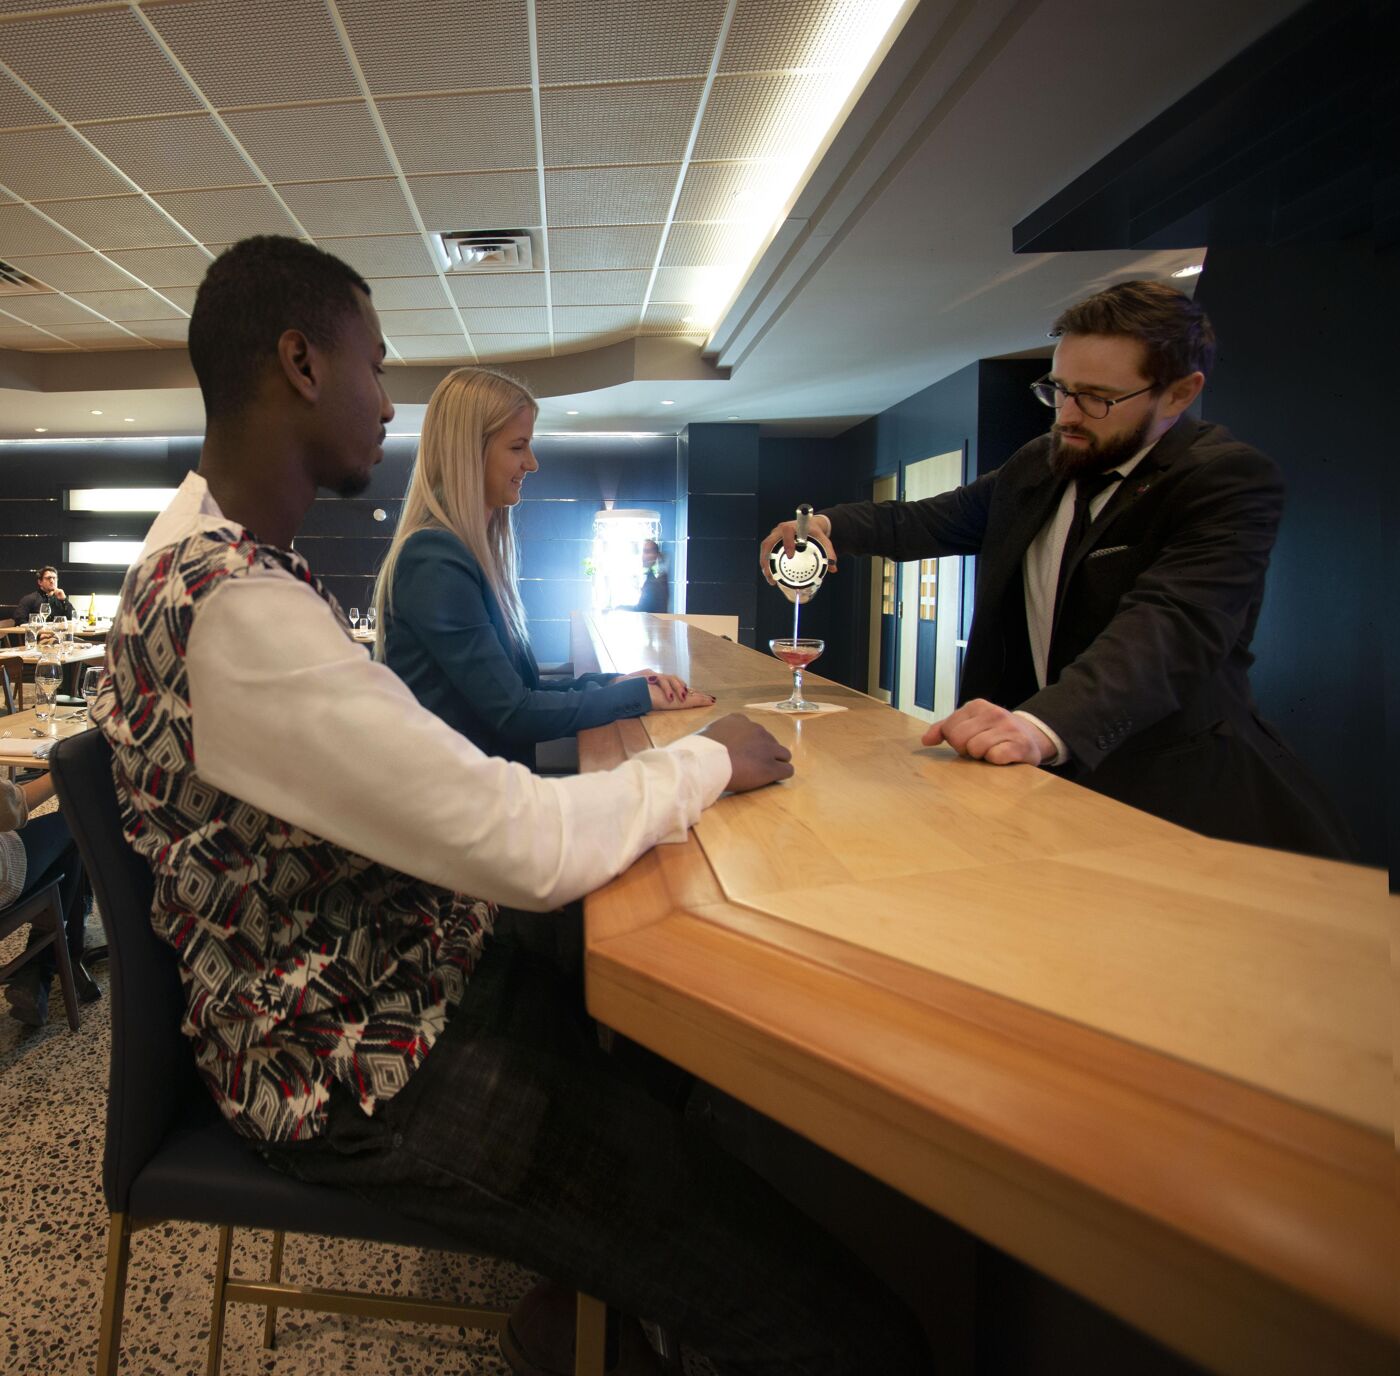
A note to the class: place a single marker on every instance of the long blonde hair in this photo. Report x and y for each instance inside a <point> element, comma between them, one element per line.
<point>446,490</point>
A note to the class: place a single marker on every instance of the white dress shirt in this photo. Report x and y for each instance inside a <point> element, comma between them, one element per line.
<point>294,717</point>
<point>1040,574</point>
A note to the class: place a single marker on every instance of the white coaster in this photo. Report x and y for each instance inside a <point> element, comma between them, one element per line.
<point>817,709</point>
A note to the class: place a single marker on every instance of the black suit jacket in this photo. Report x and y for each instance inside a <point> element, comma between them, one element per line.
<point>1147,679</point>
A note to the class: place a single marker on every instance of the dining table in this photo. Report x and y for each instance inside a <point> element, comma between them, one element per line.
<point>1155,1067</point>
<point>25,738</point>
<point>72,658</point>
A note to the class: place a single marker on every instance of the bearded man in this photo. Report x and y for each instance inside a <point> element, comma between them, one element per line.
<point>1121,572</point>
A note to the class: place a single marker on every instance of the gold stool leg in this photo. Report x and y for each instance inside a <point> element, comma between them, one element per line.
<point>590,1337</point>
<point>274,1274</point>
<point>109,1342</point>
<point>216,1316</point>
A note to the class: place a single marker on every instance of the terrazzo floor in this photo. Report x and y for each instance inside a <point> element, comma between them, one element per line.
<point>53,1234</point>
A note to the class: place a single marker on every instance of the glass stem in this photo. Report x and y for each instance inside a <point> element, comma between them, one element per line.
<point>797,685</point>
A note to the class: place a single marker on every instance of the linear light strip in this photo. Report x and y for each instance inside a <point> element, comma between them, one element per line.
<point>352,58</point>
<point>686,156</point>
<point>532,25</point>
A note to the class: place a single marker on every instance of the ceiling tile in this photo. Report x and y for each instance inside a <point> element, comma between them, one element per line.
<point>182,153</point>
<point>129,305</point>
<point>599,125</point>
<point>74,272</point>
<point>400,255</point>
<point>338,209</point>
<point>730,192</point>
<point>687,285</point>
<point>577,319</point>
<point>16,335</point>
<point>226,216</point>
<point>464,133</point>
<point>165,267</point>
<point>162,331</point>
<point>671,320</point>
<point>49,310</point>
<point>629,246</point>
<point>793,33</point>
<point>480,200</point>
<point>183,297</point>
<point>95,65</point>
<point>624,288</point>
<point>764,116</point>
<point>395,323</point>
<point>504,320</point>
<point>504,289</point>
<point>499,348</point>
<point>116,222</point>
<point>407,293</point>
<point>403,45</point>
<point>448,348</point>
<point>620,40</point>
<point>23,232</point>
<point>100,336</point>
<point>704,246</point>
<point>258,51</point>
<point>610,195</point>
<point>18,107</point>
<point>312,142</point>
<point>40,163</point>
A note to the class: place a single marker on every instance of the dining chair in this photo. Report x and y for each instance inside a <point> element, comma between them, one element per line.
<point>43,911</point>
<point>169,1153</point>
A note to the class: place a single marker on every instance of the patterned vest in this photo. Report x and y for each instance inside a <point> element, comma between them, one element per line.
<point>303,963</point>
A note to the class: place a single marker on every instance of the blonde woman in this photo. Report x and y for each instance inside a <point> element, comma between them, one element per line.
<point>448,612</point>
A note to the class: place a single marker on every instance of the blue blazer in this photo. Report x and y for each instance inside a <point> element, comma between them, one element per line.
<point>446,637</point>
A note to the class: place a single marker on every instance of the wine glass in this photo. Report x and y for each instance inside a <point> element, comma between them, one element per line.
<point>48,674</point>
<point>354,620</point>
<point>370,619</point>
<point>797,654</point>
<point>91,684</point>
<point>44,612</point>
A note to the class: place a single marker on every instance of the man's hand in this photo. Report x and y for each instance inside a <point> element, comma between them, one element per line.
<point>60,594</point>
<point>983,731</point>
<point>818,529</point>
<point>755,757</point>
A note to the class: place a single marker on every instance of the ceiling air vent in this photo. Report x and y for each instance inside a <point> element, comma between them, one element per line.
<point>485,250</point>
<point>13,282</point>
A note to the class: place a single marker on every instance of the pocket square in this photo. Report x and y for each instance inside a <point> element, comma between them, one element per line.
<point>1108,549</point>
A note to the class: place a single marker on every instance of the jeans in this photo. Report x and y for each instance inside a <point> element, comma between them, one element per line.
<point>49,850</point>
<point>521,1137</point>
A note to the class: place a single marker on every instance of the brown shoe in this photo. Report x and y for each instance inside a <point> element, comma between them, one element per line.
<point>538,1339</point>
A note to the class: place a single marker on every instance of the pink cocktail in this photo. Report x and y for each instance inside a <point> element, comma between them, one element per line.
<point>797,654</point>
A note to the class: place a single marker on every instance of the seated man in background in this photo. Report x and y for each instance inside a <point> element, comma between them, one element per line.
<point>46,593</point>
<point>1121,572</point>
<point>314,834</point>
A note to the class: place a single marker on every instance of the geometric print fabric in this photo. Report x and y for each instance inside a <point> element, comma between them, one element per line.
<point>302,962</point>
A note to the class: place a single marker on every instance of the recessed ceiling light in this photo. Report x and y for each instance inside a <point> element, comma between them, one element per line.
<point>1193,270</point>
<point>687,319</point>
<point>130,420</point>
<point>95,413</point>
<point>668,403</point>
<point>571,413</point>
<point>732,418</point>
<point>41,429</point>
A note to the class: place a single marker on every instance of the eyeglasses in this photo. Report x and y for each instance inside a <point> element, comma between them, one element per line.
<point>1093,405</point>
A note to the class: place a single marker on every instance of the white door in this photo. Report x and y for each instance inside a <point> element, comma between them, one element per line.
<point>929,595</point>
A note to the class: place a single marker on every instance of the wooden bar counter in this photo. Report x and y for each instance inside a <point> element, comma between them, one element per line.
<point>1155,1067</point>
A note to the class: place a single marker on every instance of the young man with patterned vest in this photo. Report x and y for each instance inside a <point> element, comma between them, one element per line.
<point>315,835</point>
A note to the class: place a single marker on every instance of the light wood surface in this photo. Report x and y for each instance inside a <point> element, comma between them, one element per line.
<point>16,732</point>
<point>1156,1067</point>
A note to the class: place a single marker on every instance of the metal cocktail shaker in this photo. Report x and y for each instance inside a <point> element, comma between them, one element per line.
<point>799,576</point>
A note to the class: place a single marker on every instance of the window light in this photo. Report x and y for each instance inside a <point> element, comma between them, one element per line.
<point>119,498</point>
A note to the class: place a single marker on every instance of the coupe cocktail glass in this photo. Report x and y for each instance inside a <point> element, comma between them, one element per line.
<point>797,654</point>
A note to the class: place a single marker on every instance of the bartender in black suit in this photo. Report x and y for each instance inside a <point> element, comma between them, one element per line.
<point>46,590</point>
<point>1121,572</point>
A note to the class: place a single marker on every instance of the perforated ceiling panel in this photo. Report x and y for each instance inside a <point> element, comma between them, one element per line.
<point>611,195</point>
<point>405,293</point>
<point>732,192</point>
<point>116,222</point>
<point>74,272</point>
<point>17,106</point>
<point>465,133</point>
<point>585,126</point>
<point>48,310</point>
<point>103,335</point>
<point>395,323</point>
<point>502,348</point>
<point>633,246</point>
<point>312,142</point>
<point>775,34</point>
<point>165,267</point>
<point>39,164</point>
<point>705,246</point>
<point>94,66</point>
<point>579,319</point>
<point>503,289</point>
<point>379,256</point>
<point>685,284</point>
<point>763,116</point>
<point>184,153</point>
<point>599,288</point>
<point>23,231</point>
<point>620,40</point>
<point>422,347</point>
<point>129,305</point>
<point>338,209</point>
<point>227,215</point>
<point>481,200</point>
<point>404,45</point>
<point>258,52</point>
<point>503,320</point>
<point>167,332</point>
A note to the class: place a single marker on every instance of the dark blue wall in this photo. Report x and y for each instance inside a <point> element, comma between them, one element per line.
<point>1304,375</point>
